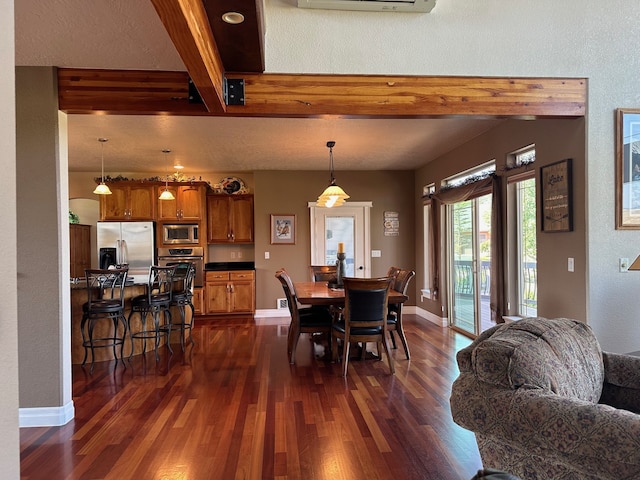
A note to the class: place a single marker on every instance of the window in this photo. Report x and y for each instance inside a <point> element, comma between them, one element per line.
<point>471,175</point>
<point>428,252</point>
<point>522,239</point>
<point>522,157</point>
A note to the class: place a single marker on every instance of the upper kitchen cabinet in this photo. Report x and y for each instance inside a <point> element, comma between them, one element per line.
<point>129,201</point>
<point>189,203</point>
<point>230,219</point>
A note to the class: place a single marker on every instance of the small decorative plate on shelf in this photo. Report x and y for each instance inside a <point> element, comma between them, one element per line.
<point>233,185</point>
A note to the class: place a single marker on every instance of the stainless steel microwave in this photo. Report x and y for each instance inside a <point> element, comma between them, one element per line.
<point>181,234</point>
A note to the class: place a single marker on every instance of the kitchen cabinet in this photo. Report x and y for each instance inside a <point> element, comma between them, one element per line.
<point>230,219</point>
<point>80,242</point>
<point>197,300</point>
<point>129,201</point>
<point>189,203</point>
<point>230,292</point>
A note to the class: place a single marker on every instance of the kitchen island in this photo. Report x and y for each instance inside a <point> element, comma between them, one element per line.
<point>104,328</point>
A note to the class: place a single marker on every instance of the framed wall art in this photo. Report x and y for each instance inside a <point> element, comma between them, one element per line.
<point>627,168</point>
<point>283,229</point>
<point>556,197</point>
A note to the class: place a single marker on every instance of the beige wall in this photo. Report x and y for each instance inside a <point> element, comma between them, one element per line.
<point>42,260</point>
<point>560,293</point>
<point>10,451</point>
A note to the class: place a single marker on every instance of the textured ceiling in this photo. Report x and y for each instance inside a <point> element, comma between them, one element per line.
<point>125,34</point>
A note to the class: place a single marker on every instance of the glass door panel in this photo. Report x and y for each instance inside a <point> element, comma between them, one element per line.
<point>470,264</point>
<point>348,224</point>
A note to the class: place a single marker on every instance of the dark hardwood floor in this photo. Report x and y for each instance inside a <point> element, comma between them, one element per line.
<point>233,407</point>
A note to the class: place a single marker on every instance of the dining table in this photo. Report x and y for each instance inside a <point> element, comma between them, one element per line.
<point>319,293</point>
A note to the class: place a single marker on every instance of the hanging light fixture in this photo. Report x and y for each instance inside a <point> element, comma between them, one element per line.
<point>333,195</point>
<point>166,193</point>
<point>102,188</point>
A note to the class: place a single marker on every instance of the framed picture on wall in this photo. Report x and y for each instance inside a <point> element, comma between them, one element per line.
<point>556,197</point>
<point>283,229</point>
<point>627,168</point>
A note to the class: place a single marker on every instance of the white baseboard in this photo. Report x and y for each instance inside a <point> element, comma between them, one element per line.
<point>427,315</point>
<point>440,321</point>
<point>46,416</point>
<point>272,312</point>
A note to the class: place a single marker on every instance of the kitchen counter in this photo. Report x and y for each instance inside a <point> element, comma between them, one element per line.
<point>217,266</point>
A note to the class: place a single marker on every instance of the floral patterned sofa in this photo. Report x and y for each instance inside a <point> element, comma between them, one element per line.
<point>545,402</point>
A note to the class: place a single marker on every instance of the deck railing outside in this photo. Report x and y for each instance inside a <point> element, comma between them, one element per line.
<point>463,272</point>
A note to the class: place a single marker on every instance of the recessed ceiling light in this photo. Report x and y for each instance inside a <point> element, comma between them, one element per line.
<point>233,18</point>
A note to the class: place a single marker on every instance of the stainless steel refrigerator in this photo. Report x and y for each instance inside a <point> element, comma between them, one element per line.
<point>132,243</point>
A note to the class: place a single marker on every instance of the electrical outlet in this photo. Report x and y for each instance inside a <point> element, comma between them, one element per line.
<point>239,254</point>
<point>266,255</point>
<point>233,255</point>
<point>623,264</point>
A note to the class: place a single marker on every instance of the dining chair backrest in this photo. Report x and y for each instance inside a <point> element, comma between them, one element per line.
<point>105,286</point>
<point>323,273</point>
<point>393,272</point>
<point>366,301</point>
<point>402,280</point>
<point>289,292</point>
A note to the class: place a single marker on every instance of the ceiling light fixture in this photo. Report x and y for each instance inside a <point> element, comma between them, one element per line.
<point>234,18</point>
<point>102,188</point>
<point>177,165</point>
<point>166,193</point>
<point>333,195</point>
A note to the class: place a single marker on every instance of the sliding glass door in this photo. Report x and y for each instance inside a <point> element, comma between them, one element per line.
<point>469,264</point>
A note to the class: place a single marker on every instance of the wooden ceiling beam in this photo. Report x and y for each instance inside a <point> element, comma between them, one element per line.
<point>281,95</point>
<point>188,26</point>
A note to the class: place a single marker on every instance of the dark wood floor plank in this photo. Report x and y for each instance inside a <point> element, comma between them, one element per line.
<point>233,407</point>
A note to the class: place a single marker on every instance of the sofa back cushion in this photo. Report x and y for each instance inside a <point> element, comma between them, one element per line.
<point>559,355</point>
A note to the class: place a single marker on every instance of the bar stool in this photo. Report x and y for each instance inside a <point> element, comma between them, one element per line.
<point>156,301</point>
<point>183,278</point>
<point>105,302</point>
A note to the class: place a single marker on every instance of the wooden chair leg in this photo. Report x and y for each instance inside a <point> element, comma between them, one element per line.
<point>385,344</point>
<point>345,357</point>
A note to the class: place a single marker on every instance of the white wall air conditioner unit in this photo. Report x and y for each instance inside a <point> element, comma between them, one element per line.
<point>281,304</point>
<point>416,6</point>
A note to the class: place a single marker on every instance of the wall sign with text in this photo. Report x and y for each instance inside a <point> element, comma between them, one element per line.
<point>555,192</point>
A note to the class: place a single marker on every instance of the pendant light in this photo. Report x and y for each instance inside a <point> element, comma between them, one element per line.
<point>166,193</point>
<point>333,195</point>
<point>102,188</point>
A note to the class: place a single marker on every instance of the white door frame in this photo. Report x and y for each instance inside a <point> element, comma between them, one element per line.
<point>363,251</point>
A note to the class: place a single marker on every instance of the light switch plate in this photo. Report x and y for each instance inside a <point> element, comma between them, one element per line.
<point>623,264</point>
<point>376,253</point>
<point>570,264</point>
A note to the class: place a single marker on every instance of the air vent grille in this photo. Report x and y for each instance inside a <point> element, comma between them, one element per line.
<point>282,304</point>
<point>417,6</point>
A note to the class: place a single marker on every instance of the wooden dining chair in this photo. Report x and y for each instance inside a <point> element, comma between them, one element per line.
<point>364,318</point>
<point>393,272</point>
<point>394,311</point>
<point>303,320</point>
<point>323,273</point>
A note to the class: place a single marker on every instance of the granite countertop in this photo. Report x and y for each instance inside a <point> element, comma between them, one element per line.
<point>217,266</point>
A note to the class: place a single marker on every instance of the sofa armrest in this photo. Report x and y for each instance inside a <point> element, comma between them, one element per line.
<point>621,387</point>
<point>593,436</point>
